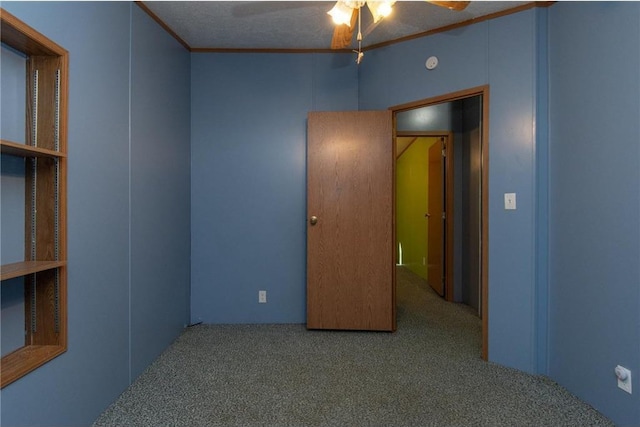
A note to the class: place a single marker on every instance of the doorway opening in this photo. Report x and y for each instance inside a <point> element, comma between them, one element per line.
<point>446,239</point>
<point>424,199</point>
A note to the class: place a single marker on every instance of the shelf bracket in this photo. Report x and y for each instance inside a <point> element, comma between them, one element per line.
<point>34,110</point>
<point>56,308</point>
<point>57,112</point>
<point>34,208</point>
<point>56,210</point>
<point>34,327</point>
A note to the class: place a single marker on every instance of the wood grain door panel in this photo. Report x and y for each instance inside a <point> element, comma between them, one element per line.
<point>350,249</point>
<point>435,264</point>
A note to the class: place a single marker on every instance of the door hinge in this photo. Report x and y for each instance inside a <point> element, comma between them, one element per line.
<point>444,153</point>
<point>444,215</point>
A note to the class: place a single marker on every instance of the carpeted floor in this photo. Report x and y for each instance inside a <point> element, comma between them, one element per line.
<point>428,373</point>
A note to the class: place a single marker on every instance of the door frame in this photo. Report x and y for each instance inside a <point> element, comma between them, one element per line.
<point>484,211</point>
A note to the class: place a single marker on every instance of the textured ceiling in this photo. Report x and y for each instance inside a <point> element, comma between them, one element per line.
<point>300,24</point>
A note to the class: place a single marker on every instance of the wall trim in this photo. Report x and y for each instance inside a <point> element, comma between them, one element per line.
<point>252,50</point>
<point>461,24</point>
<point>160,22</point>
<point>366,48</point>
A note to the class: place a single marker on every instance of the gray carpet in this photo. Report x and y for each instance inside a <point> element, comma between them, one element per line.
<point>428,373</point>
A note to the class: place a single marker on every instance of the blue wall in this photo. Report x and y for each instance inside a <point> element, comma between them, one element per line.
<point>160,193</point>
<point>12,196</point>
<point>248,180</point>
<point>542,192</point>
<point>12,89</point>
<point>564,131</point>
<point>12,187</point>
<point>501,53</point>
<point>112,163</point>
<point>594,203</point>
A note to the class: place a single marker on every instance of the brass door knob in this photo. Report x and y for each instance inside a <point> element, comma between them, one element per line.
<point>313,220</point>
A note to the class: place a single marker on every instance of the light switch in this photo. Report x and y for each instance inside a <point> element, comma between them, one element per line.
<point>510,201</point>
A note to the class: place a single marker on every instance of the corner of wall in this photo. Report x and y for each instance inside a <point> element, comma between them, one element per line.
<point>541,130</point>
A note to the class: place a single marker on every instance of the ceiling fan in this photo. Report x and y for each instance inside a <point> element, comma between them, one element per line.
<point>346,14</point>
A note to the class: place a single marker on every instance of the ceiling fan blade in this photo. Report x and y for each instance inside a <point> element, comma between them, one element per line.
<point>452,5</point>
<point>343,34</point>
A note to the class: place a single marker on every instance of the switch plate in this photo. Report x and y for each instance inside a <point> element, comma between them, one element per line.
<point>262,297</point>
<point>510,201</point>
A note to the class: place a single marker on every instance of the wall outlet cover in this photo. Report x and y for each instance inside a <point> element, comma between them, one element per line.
<point>624,378</point>
<point>510,201</point>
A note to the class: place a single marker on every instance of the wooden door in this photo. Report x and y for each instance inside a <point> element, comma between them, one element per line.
<point>435,205</point>
<point>350,231</point>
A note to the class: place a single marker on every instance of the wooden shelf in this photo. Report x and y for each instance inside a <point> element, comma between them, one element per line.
<point>18,269</point>
<point>22,150</point>
<point>45,201</point>
<point>26,39</point>
<point>25,359</point>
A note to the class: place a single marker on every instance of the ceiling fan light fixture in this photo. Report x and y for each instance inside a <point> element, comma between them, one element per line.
<point>341,13</point>
<point>380,9</point>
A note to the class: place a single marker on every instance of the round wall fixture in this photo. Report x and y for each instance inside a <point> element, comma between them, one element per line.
<point>432,62</point>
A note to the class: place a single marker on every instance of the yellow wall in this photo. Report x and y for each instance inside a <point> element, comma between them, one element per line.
<point>412,175</point>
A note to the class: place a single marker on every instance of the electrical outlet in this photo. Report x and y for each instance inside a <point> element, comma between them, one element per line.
<point>624,378</point>
<point>262,297</point>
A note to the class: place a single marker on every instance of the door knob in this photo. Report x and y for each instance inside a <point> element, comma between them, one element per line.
<point>313,220</point>
<point>427,215</point>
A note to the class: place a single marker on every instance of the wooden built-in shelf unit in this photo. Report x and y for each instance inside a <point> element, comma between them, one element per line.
<point>44,268</point>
